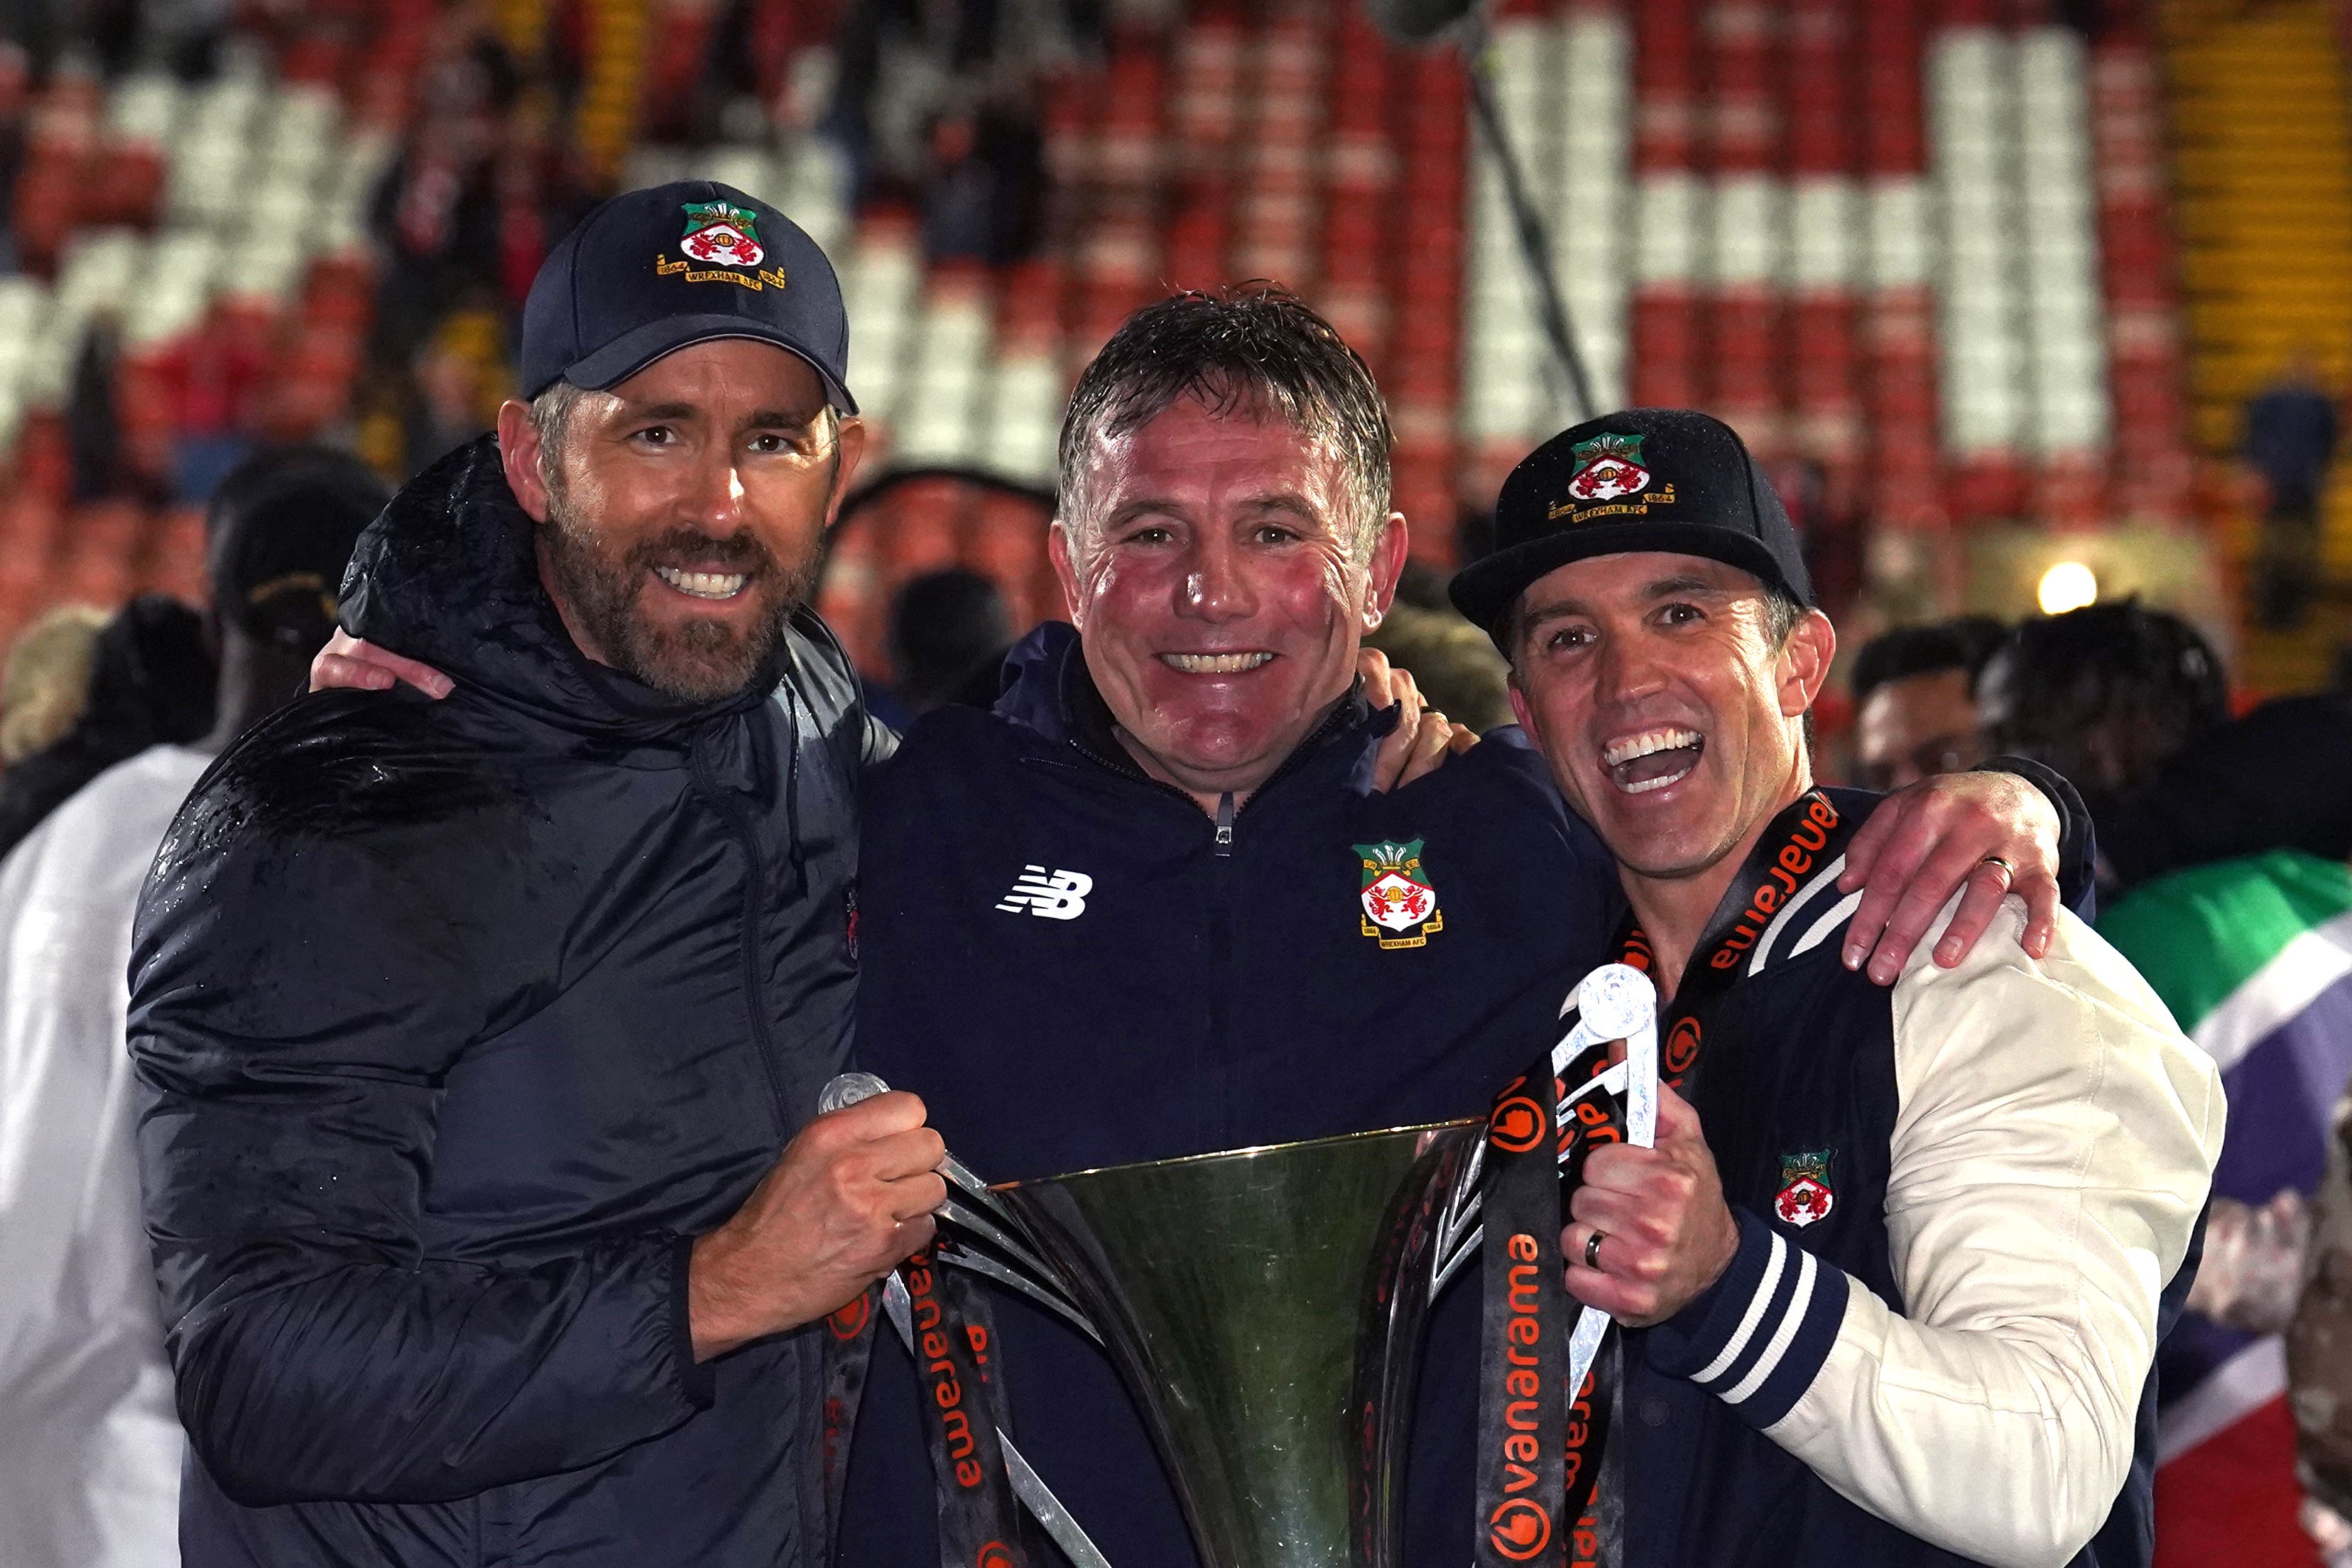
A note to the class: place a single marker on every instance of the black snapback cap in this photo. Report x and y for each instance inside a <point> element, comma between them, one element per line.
<point>651,271</point>
<point>1670,479</point>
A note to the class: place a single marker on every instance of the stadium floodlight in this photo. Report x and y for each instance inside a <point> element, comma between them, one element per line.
<point>1463,23</point>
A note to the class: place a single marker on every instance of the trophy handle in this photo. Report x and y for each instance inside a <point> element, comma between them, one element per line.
<point>979,1215</point>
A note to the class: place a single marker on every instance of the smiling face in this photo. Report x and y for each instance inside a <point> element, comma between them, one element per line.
<point>1217,597</point>
<point>682,512</point>
<point>1671,715</point>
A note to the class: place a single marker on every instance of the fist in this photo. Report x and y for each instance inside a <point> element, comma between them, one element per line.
<point>852,1197</point>
<point>1665,1232</point>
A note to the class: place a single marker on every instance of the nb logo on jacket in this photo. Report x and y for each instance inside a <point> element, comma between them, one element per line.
<point>1055,895</point>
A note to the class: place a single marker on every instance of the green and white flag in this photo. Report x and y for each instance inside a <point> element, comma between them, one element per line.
<point>2254,959</point>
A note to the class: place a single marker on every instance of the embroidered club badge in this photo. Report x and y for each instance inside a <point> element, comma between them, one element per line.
<point>721,234</point>
<point>1805,1193</point>
<point>1397,896</point>
<point>1607,466</point>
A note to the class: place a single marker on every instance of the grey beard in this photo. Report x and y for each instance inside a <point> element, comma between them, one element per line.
<point>701,662</point>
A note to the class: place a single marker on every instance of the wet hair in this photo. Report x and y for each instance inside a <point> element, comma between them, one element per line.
<point>1963,644</point>
<point>1251,348</point>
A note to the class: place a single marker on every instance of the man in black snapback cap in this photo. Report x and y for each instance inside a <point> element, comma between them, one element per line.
<point>1893,1273</point>
<point>1674,481</point>
<point>483,1035</point>
<point>1649,479</point>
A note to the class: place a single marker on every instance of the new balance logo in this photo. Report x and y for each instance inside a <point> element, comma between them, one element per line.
<point>1055,895</point>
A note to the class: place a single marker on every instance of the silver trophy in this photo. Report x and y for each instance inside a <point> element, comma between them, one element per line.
<point>1264,1306</point>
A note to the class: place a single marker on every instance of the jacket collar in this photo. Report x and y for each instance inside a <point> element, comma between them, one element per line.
<point>448,575</point>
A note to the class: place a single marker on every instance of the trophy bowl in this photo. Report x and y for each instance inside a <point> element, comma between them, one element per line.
<point>1264,1307</point>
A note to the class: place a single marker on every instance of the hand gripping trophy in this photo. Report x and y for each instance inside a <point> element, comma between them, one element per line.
<point>1266,1307</point>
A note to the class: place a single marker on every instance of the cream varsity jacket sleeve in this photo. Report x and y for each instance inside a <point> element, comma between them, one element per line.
<point>2055,1145</point>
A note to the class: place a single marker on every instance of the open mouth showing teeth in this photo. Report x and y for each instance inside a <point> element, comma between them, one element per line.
<point>1652,759</point>
<point>703,584</point>
<point>1215,663</point>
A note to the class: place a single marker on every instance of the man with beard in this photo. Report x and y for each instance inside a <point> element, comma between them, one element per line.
<point>472,1030</point>
<point>1898,1267</point>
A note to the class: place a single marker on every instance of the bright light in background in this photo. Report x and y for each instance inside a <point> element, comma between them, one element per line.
<point>2069,586</point>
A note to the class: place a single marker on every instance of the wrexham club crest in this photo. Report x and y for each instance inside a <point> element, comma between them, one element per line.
<point>1399,904</point>
<point>722,234</point>
<point>1805,1193</point>
<point>1607,466</point>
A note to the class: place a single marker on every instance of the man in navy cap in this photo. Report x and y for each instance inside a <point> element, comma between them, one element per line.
<point>481,1037</point>
<point>1897,1265</point>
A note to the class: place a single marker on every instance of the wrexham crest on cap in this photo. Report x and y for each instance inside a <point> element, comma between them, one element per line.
<point>723,234</point>
<point>1607,466</point>
<point>1399,904</point>
<point>1805,1193</point>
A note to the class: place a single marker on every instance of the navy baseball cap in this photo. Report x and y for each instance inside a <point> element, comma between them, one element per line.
<point>652,271</point>
<point>1669,480</point>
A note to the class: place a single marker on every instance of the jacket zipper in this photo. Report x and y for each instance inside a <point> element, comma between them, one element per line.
<point>1220,922</point>
<point>755,879</point>
<point>1221,830</point>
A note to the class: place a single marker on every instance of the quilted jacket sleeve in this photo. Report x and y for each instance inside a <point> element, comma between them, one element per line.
<point>296,1000</point>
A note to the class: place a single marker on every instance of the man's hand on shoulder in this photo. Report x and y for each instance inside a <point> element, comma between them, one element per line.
<point>1665,1232</point>
<point>349,663</point>
<point>1424,737</point>
<point>851,1198</point>
<point>1993,833</point>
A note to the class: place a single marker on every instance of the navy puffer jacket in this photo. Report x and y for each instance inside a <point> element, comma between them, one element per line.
<point>458,1019</point>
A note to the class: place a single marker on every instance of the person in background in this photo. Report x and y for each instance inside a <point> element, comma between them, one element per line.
<point>46,684</point>
<point>948,633</point>
<point>1914,700</point>
<point>2319,1348</point>
<point>150,684</point>
<point>2135,701</point>
<point>2251,953</point>
<point>2290,439</point>
<point>90,1453</point>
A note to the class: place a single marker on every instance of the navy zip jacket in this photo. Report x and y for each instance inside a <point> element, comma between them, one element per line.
<point>1075,967</point>
<point>458,1020</point>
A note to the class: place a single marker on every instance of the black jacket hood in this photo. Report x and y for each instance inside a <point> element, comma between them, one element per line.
<point>448,575</point>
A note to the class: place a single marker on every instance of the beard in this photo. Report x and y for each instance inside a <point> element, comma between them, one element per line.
<point>700,660</point>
